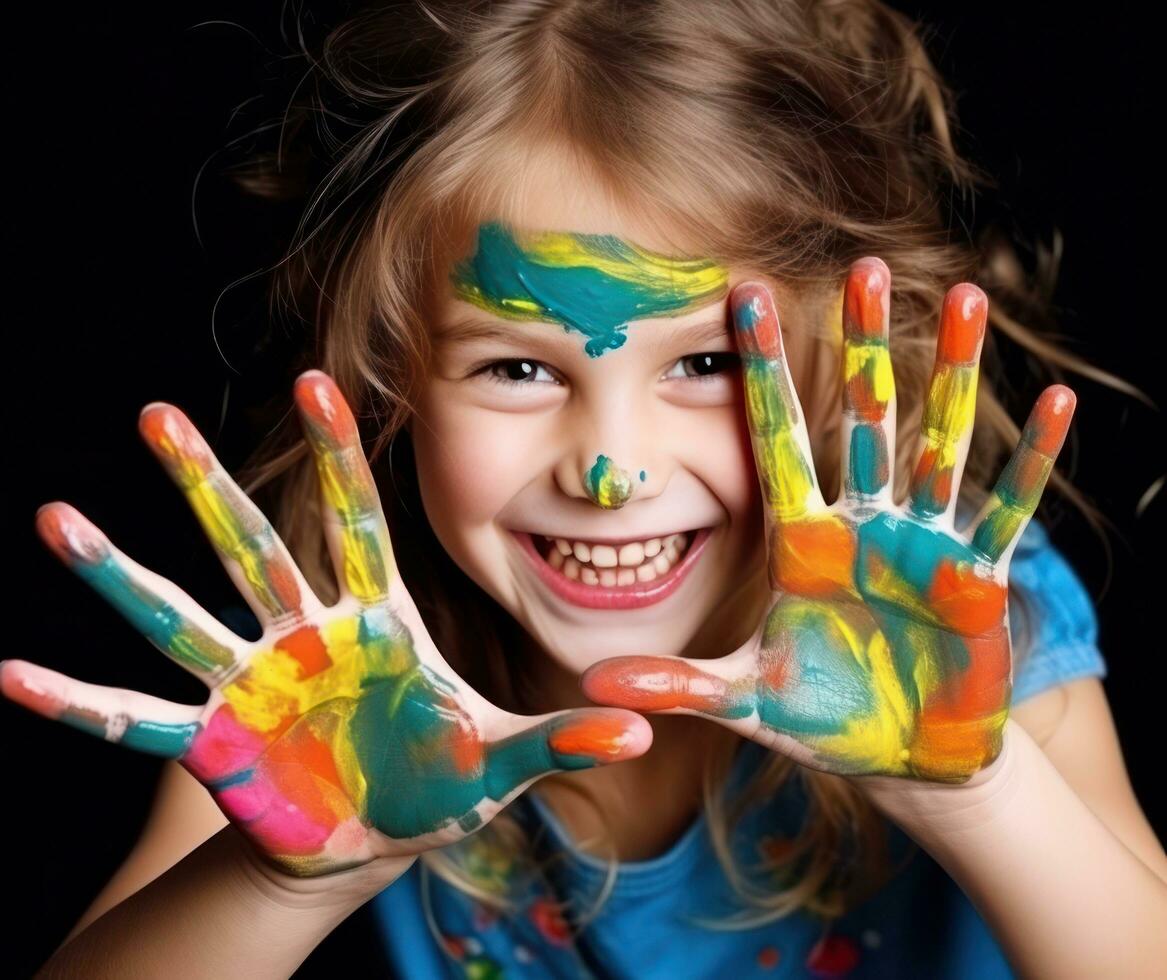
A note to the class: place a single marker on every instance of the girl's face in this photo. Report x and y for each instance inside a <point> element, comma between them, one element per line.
<point>586,397</point>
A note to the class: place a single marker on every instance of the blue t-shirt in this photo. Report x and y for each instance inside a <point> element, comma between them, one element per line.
<point>917,925</point>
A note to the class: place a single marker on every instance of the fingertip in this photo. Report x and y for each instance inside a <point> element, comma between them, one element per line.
<point>598,737</point>
<point>602,681</point>
<point>1061,397</point>
<point>1049,421</point>
<point>972,300</point>
<point>323,405</point>
<point>69,534</point>
<point>872,271</point>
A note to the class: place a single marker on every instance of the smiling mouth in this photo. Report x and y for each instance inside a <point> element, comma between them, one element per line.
<point>611,566</point>
<point>610,576</point>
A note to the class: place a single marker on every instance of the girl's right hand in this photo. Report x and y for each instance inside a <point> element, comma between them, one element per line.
<point>341,735</point>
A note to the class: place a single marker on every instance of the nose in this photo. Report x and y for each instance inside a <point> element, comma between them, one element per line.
<point>611,457</point>
<point>607,484</point>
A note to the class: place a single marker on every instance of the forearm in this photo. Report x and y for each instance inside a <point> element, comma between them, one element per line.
<point>1062,894</point>
<point>218,913</point>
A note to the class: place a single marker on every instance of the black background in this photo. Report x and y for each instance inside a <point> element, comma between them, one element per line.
<point>113,112</point>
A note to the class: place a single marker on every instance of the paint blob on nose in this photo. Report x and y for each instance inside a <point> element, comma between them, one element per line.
<point>595,284</point>
<point>607,485</point>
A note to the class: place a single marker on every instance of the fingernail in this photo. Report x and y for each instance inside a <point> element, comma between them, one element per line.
<point>756,320</point>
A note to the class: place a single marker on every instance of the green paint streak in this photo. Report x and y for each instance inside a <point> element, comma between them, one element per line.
<point>156,619</point>
<point>595,284</point>
<point>607,484</point>
<point>771,406</point>
<point>998,528</point>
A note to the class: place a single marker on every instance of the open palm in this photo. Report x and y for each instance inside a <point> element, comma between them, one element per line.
<point>340,735</point>
<point>886,647</point>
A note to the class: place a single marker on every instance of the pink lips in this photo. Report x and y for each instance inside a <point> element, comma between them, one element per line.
<point>615,597</point>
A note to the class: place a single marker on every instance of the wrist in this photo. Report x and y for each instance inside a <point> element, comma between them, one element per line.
<point>924,808</point>
<point>343,891</point>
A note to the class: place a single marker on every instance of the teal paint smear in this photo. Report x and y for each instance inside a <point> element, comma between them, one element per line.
<point>516,759</point>
<point>234,780</point>
<point>155,618</point>
<point>642,476</point>
<point>507,280</point>
<point>158,738</point>
<point>471,821</point>
<point>868,459</point>
<point>826,662</point>
<point>401,733</point>
<point>914,553</point>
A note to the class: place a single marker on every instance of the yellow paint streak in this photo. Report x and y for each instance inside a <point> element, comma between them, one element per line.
<point>271,690</point>
<point>875,742</point>
<point>788,481</point>
<point>696,277</point>
<point>949,411</point>
<point>859,357</point>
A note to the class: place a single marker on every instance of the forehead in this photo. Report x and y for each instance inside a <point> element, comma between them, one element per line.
<point>553,243</point>
<point>592,283</point>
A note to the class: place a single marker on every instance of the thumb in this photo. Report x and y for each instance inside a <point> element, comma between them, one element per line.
<point>576,739</point>
<point>715,688</point>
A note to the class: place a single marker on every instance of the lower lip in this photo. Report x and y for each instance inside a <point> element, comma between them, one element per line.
<point>614,597</point>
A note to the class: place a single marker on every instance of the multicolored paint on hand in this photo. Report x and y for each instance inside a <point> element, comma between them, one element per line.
<point>607,485</point>
<point>886,648</point>
<point>595,284</point>
<point>341,735</point>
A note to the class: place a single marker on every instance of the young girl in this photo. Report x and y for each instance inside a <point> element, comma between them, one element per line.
<point>536,273</point>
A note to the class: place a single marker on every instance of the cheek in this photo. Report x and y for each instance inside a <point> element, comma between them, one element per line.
<point>723,459</point>
<point>469,464</point>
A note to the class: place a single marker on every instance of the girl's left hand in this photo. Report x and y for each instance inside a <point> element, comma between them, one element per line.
<point>886,646</point>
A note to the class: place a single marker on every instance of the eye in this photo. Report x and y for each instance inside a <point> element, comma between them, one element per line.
<point>515,371</point>
<point>708,365</point>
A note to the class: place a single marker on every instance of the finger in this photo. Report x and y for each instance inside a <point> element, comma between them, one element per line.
<point>251,551</point>
<point>868,385</point>
<point>724,689</point>
<point>946,428</point>
<point>1014,499</point>
<point>781,445</point>
<point>140,721</point>
<point>576,739</point>
<point>354,523</point>
<point>157,608</point>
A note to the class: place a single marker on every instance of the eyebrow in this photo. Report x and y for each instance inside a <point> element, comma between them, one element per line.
<point>477,328</point>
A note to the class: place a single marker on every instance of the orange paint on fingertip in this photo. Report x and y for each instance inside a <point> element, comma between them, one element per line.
<point>598,735</point>
<point>962,324</point>
<point>322,402</point>
<point>169,432</point>
<point>1049,421</point>
<point>866,298</point>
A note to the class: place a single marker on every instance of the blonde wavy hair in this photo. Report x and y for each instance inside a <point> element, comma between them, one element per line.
<point>790,136</point>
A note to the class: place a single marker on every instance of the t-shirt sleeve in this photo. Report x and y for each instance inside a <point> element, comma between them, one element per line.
<point>1053,627</point>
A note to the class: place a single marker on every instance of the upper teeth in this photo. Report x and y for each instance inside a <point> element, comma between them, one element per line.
<point>596,564</point>
<point>627,555</point>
